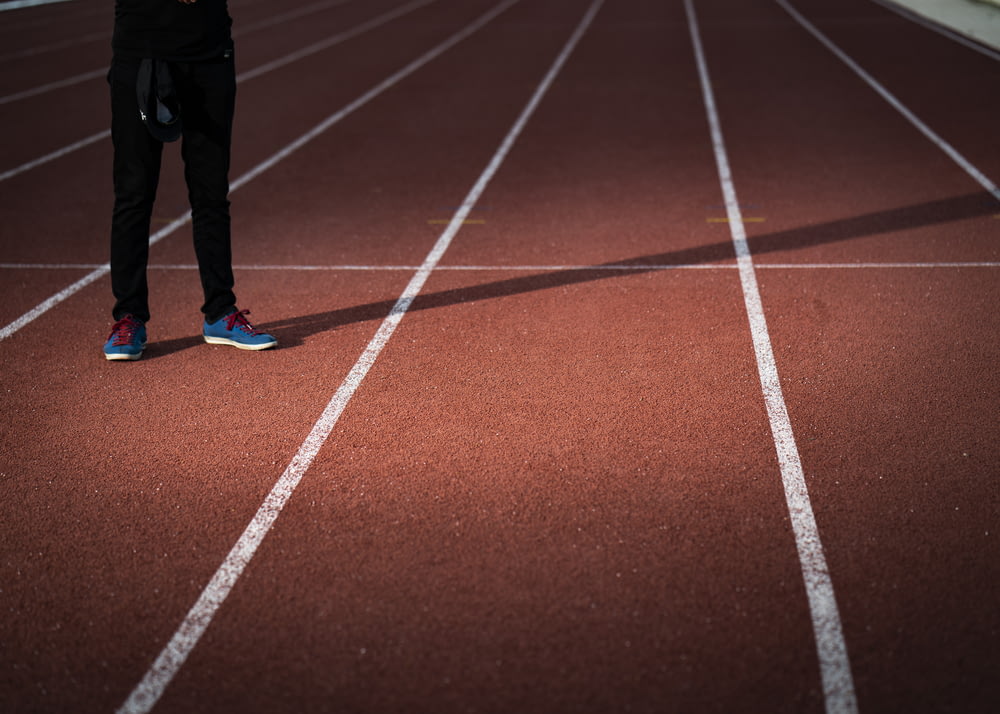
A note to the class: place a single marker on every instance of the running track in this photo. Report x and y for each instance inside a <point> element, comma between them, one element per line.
<point>635,356</point>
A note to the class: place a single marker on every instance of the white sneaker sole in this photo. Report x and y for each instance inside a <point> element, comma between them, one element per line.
<point>239,345</point>
<point>118,357</point>
<point>121,357</point>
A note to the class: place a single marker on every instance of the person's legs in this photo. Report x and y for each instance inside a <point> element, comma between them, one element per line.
<point>136,176</point>
<point>208,96</point>
<point>207,93</point>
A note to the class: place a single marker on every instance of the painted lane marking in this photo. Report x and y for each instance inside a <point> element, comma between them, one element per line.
<point>96,36</point>
<point>528,268</point>
<point>375,91</point>
<point>947,148</point>
<point>835,668</point>
<point>335,40</point>
<point>50,86</point>
<point>170,660</point>
<point>296,14</point>
<point>260,168</point>
<point>67,292</point>
<point>18,4</point>
<point>874,266</point>
<point>49,266</point>
<point>11,173</point>
<point>54,46</point>
<point>445,221</point>
<point>242,77</point>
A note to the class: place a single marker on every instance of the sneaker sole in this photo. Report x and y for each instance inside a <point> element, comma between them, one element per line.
<point>118,357</point>
<point>239,345</point>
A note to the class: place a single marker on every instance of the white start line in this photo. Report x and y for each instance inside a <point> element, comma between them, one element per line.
<point>610,267</point>
<point>639,267</point>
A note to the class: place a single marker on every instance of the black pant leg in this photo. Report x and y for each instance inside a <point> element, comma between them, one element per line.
<point>137,157</point>
<point>208,96</point>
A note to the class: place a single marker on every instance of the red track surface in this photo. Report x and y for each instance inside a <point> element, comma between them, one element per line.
<point>556,489</point>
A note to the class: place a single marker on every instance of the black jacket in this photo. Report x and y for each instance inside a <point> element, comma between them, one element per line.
<point>171,30</point>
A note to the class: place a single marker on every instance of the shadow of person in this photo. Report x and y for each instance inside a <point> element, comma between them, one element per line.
<point>162,348</point>
<point>293,331</point>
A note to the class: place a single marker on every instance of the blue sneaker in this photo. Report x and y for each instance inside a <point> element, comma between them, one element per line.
<point>127,339</point>
<point>234,329</point>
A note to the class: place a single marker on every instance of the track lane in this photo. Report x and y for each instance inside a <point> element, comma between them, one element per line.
<point>47,109</point>
<point>906,485</point>
<point>531,534</point>
<point>135,493</point>
<point>145,440</point>
<point>537,428</point>
<point>23,71</point>
<point>25,26</point>
<point>172,192</point>
<point>940,142</point>
<point>865,352</point>
<point>840,149</point>
<point>380,529</point>
<point>956,91</point>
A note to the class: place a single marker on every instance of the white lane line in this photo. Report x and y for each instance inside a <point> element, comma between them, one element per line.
<point>170,660</point>
<point>18,4</point>
<point>667,266</point>
<point>264,24</point>
<point>893,266</point>
<point>835,668</point>
<point>947,148</point>
<point>386,84</point>
<point>49,266</point>
<point>239,29</point>
<point>59,84</point>
<point>374,92</point>
<point>53,46</point>
<point>92,139</point>
<point>524,268</point>
<point>249,74</point>
<point>99,272</point>
<point>96,36</point>
<point>335,40</point>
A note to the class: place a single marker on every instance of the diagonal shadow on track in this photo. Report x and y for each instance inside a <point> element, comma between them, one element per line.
<point>293,331</point>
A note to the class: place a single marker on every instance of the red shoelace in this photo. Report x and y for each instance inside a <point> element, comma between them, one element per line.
<point>124,330</point>
<point>238,319</point>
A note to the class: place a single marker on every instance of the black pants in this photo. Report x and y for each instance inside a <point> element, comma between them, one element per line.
<point>207,93</point>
